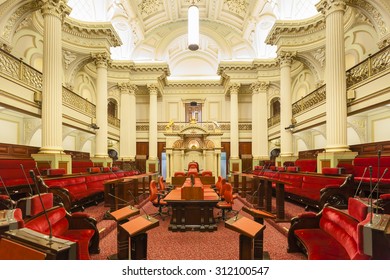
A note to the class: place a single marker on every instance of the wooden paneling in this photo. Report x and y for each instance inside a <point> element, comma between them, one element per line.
<point>371,149</point>
<point>17,151</point>
<point>245,148</point>
<point>142,148</point>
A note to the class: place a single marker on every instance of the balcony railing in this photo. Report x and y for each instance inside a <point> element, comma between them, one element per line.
<point>373,65</point>
<point>274,120</point>
<point>114,121</point>
<point>309,101</point>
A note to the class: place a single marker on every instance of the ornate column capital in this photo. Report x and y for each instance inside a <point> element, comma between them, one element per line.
<point>153,89</point>
<point>234,88</point>
<point>260,86</point>
<point>327,7</point>
<point>57,8</point>
<point>285,58</point>
<point>127,88</point>
<point>101,59</point>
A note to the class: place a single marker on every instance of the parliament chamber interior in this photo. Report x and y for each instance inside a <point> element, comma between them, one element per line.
<point>255,129</point>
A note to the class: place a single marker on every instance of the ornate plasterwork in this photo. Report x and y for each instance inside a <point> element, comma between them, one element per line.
<point>16,16</point>
<point>101,59</point>
<point>375,15</point>
<point>86,34</point>
<point>237,6</point>
<point>319,55</point>
<point>147,7</point>
<point>307,29</point>
<point>285,58</point>
<point>69,57</point>
<point>57,8</point>
<point>259,87</point>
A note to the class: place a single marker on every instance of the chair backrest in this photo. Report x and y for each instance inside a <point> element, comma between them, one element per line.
<point>207,173</point>
<point>179,174</point>
<point>223,188</point>
<point>152,190</point>
<point>218,184</point>
<point>228,193</point>
<point>161,183</point>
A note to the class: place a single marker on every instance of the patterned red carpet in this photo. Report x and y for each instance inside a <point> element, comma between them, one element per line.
<point>222,244</point>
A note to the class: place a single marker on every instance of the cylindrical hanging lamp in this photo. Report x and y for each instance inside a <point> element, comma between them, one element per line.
<point>193,27</point>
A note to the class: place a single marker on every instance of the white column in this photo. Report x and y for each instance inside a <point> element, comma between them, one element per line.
<point>128,136</point>
<point>259,121</point>
<point>234,141</point>
<point>336,101</point>
<point>153,90</point>
<point>101,61</point>
<point>285,61</point>
<point>53,13</point>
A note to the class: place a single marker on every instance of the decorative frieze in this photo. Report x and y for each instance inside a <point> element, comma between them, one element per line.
<point>68,58</point>
<point>259,87</point>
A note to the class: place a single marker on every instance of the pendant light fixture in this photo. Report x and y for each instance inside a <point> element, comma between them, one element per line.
<point>193,26</point>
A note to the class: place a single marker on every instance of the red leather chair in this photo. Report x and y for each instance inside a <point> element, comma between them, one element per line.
<point>156,198</point>
<point>226,205</point>
<point>207,173</point>
<point>179,174</point>
<point>218,185</point>
<point>78,227</point>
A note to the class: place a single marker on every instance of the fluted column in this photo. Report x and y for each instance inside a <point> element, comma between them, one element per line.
<point>259,122</point>
<point>285,61</point>
<point>336,101</point>
<point>153,90</point>
<point>101,62</point>
<point>234,161</point>
<point>128,136</point>
<point>53,12</point>
<point>234,88</point>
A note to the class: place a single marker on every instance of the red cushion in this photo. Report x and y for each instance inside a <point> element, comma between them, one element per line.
<point>56,172</point>
<point>320,245</point>
<point>357,208</point>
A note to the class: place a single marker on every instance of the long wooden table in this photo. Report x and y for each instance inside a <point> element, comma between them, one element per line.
<point>192,214</point>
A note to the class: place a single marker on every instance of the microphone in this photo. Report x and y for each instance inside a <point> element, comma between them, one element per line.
<point>25,176</point>
<point>361,180</point>
<point>370,171</point>
<point>146,213</point>
<point>379,168</point>
<point>11,206</point>
<point>192,180</point>
<point>32,174</point>
<point>377,183</point>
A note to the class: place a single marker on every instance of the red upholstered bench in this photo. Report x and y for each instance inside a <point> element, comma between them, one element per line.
<point>77,227</point>
<point>314,189</point>
<point>331,234</point>
<point>306,165</point>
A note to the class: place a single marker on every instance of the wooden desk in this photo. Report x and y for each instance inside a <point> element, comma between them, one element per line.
<point>179,181</point>
<point>135,229</point>
<point>125,189</point>
<point>121,216</point>
<point>192,214</point>
<point>55,249</point>
<point>259,216</point>
<point>248,230</point>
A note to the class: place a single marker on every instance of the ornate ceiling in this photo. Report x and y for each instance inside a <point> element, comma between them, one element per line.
<point>156,30</point>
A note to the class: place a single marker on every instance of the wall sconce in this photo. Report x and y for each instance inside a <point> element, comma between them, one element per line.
<point>93,124</point>
<point>290,127</point>
<point>38,97</point>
